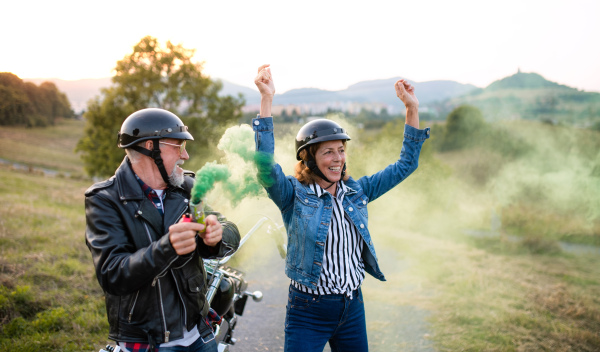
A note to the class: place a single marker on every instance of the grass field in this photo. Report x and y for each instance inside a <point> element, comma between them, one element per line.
<point>483,294</point>
<point>49,297</point>
<point>50,148</point>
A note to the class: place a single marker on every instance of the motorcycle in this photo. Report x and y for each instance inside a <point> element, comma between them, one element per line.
<point>227,289</point>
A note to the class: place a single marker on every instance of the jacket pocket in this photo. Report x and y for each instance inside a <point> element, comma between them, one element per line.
<point>196,284</point>
<point>133,309</point>
<point>361,201</point>
<point>305,206</point>
<point>132,306</point>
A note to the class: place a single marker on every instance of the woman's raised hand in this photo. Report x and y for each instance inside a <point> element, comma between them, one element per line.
<point>264,81</point>
<point>406,93</point>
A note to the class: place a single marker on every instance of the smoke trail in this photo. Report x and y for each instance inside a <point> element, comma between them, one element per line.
<point>206,178</point>
<point>239,176</point>
<point>238,140</point>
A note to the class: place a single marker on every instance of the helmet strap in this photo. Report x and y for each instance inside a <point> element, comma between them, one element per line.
<point>155,155</point>
<point>312,165</point>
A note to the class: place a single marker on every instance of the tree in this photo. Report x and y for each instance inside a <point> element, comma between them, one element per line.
<point>14,103</point>
<point>24,103</point>
<point>152,76</point>
<point>284,116</point>
<point>461,124</point>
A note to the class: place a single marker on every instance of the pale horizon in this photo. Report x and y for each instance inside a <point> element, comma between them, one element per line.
<point>326,45</point>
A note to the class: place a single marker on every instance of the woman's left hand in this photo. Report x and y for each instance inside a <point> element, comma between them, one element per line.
<point>264,81</point>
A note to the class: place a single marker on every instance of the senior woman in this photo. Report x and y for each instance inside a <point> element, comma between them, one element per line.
<point>325,215</point>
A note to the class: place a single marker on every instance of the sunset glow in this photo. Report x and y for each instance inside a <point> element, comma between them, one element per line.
<point>327,45</point>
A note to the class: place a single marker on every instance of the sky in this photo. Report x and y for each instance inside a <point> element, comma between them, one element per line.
<point>325,44</point>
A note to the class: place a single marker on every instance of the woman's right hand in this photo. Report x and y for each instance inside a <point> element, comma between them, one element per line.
<point>264,81</point>
<point>406,93</point>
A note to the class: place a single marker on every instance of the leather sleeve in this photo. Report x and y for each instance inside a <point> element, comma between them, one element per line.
<point>120,268</point>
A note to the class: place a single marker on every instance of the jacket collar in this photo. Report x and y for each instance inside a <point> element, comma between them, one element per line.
<point>308,189</point>
<point>347,189</point>
<point>128,186</point>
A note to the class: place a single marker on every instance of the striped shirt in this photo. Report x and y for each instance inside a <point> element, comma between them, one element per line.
<point>343,270</point>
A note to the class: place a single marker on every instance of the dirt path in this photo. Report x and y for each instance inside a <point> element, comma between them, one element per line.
<point>390,327</point>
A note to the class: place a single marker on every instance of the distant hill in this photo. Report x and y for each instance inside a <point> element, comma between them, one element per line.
<point>376,91</point>
<point>251,95</point>
<point>522,80</point>
<point>78,91</point>
<point>530,96</point>
<point>519,96</point>
<point>380,91</point>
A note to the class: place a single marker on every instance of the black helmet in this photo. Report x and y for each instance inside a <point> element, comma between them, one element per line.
<point>319,130</point>
<point>151,123</point>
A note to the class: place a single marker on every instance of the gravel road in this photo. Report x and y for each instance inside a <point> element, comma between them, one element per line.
<point>390,327</point>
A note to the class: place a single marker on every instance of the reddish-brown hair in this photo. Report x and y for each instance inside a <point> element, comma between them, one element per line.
<point>303,173</point>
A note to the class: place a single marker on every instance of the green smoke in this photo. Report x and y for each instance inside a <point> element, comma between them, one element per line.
<point>206,178</point>
<point>239,177</point>
<point>264,163</point>
<point>238,140</point>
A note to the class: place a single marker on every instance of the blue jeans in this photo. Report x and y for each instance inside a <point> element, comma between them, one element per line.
<point>313,320</point>
<point>198,346</point>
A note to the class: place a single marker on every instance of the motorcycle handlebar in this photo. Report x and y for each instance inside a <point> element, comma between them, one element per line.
<point>275,232</point>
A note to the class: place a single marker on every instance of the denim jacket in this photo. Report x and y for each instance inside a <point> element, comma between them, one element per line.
<point>307,217</point>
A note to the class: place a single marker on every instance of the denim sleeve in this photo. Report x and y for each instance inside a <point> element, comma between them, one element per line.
<point>270,174</point>
<point>379,183</point>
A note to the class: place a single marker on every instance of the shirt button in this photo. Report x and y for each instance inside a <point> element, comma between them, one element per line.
<point>362,226</point>
<point>256,123</point>
<point>185,200</point>
<point>350,209</point>
<point>306,200</point>
<point>364,202</point>
<point>370,243</point>
<point>428,132</point>
<point>140,212</point>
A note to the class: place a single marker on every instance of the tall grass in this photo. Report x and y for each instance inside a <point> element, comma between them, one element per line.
<point>51,148</point>
<point>475,294</point>
<point>49,297</point>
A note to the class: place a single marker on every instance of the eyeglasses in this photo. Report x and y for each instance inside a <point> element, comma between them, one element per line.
<point>180,146</point>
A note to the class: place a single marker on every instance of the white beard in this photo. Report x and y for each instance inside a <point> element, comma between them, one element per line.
<point>176,178</point>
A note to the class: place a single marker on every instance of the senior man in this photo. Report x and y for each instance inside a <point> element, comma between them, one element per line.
<point>148,260</point>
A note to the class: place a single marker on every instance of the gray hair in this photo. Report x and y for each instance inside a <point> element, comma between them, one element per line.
<point>133,155</point>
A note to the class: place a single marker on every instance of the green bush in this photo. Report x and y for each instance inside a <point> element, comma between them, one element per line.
<point>540,245</point>
<point>17,327</point>
<point>55,319</point>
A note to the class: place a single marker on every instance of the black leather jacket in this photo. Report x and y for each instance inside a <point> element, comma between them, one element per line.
<point>151,292</point>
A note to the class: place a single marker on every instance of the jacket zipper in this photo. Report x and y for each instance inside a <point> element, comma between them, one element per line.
<point>182,301</point>
<point>162,311</point>
<point>156,281</point>
<point>162,273</point>
<point>182,265</point>
<point>133,306</point>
